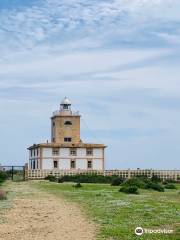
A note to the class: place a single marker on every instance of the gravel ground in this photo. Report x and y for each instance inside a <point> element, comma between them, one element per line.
<point>40,216</point>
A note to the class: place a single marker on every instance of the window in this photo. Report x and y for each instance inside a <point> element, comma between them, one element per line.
<point>89,151</point>
<point>53,140</point>
<point>34,152</point>
<point>73,151</point>
<point>31,152</point>
<point>55,164</point>
<point>89,164</point>
<point>65,106</point>
<point>34,166</point>
<point>53,124</point>
<point>67,139</point>
<point>30,164</point>
<point>73,164</point>
<point>37,151</point>
<point>55,151</point>
<point>68,123</point>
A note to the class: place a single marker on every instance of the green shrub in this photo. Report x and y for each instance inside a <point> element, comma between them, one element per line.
<point>78,185</point>
<point>155,186</point>
<point>169,181</point>
<point>3,176</point>
<point>117,181</point>
<point>60,180</point>
<point>87,178</point>
<point>155,179</point>
<point>51,178</point>
<point>139,183</point>
<point>170,186</point>
<point>144,183</point>
<point>2,195</point>
<point>129,189</point>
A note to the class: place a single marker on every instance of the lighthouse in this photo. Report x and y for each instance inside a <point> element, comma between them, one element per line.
<point>66,150</point>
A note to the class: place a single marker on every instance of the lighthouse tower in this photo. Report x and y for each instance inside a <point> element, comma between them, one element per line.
<point>65,124</point>
<point>66,151</point>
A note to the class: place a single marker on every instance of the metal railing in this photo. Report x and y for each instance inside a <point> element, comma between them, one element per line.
<point>14,173</point>
<point>59,113</point>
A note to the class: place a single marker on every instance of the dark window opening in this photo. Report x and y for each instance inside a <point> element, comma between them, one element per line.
<point>68,123</point>
<point>55,164</point>
<point>73,151</point>
<point>73,164</point>
<point>65,106</point>
<point>89,151</point>
<point>89,164</point>
<point>67,139</point>
<point>34,165</point>
<point>55,151</point>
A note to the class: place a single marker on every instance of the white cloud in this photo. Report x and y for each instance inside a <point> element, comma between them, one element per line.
<point>54,22</point>
<point>116,61</point>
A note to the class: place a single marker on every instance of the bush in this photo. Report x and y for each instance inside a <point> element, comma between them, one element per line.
<point>3,195</point>
<point>117,181</point>
<point>78,185</point>
<point>170,186</point>
<point>129,189</point>
<point>60,180</point>
<point>87,178</point>
<point>169,181</point>
<point>139,183</point>
<point>51,178</point>
<point>3,176</point>
<point>155,179</point>
<point>155,186</point>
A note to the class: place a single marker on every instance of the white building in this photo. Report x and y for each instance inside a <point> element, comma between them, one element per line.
<point>66,150</point>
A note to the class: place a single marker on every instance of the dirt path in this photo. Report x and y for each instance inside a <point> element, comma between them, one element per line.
<point>40,216</point>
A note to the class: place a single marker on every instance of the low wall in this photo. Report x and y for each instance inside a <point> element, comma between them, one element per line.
<point>162,174</point>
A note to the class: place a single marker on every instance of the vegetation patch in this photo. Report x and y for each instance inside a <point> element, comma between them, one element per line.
<point>78,185</point>
<point>87,178</point>
<point>51,178</point>
<point>116,181</point>
<point>3,177</point>
<point>129,189</point>
<point>143,183</point>
<point>170,186</point>
<point>3,195</point>
<point>118,214</point>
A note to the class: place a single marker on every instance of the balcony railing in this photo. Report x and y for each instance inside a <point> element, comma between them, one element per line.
<point>59,113</point>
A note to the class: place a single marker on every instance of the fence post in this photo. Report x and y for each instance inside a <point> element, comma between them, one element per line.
<point>12,172</point>
<point>26,172</point>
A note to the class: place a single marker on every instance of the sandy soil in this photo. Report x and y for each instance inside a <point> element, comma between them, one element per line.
<point>40,216</point>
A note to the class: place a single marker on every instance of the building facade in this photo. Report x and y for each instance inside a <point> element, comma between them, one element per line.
<point>66,151</point>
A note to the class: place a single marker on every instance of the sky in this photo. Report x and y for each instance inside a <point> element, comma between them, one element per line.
<point>118,61</point>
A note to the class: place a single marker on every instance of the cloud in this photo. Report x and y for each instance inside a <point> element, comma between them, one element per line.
<point>100,23</point>
<point>117,60</point>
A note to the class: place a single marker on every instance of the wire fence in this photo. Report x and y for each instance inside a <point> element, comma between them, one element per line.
<point>14,173</point>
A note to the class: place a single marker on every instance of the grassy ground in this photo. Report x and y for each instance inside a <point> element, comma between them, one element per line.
<point>5,204</point>
<point>118,214</point>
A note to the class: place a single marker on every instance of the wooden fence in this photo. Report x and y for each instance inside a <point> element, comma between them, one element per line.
<point>129,173</point>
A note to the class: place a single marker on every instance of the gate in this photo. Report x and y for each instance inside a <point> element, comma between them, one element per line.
<point>14,173</point>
